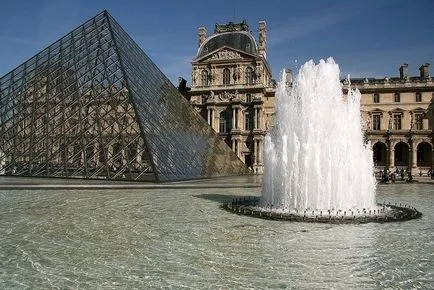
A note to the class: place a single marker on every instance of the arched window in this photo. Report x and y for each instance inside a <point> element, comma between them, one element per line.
<point>418,97</point>
<point>226,76</point>
<point>397,98</point>
<point>376,98</point>
<point>205,78</point>
<point>249,75</point>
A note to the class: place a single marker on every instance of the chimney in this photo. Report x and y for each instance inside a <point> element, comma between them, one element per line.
<point>262,47</point>
<point>424,72</point>
<point>202,35</point>
<point>403,71</point>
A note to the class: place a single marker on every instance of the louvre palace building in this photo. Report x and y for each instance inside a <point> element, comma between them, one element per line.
<point>398,114</point>
<point>232,88</point>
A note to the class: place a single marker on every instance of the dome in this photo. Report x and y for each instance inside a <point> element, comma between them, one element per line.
<point>239,40</point>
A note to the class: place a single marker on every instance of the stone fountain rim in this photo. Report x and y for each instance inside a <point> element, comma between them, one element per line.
<point>248,207</point>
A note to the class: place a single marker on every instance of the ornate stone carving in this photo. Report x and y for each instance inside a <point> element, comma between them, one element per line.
<point>196,101</point>
<point>237,73</point>
<point>225,54</point>
<point>222,97</point>
<point>243,26</point>
<point>226,96</point>
<point>194,76</point>
<point>214,76</point>
<point>258,71</point>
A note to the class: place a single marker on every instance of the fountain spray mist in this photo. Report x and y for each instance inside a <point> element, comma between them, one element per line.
<point>315,155</point>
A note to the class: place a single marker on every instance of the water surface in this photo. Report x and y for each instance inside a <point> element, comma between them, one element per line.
<point>181,239</point>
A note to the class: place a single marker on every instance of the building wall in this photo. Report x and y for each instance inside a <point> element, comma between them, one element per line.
<point>398,119</point>
<point>239,105</point>
<point>398,112</point>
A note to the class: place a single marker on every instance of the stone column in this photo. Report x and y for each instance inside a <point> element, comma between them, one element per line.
<point>234,118</point>
<point>238,113</point>
<point>212,119</point>
<point>259,118</point>
<point>391,157</point>
<point>255,152</point>
<point>413,151</point>
<point>255,124</point>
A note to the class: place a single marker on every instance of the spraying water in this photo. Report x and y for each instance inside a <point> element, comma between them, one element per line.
<point>315,156</point>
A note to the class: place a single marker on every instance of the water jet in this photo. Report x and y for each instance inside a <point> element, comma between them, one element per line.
<point>315,157</point>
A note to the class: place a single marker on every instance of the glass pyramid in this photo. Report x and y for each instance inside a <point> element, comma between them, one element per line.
<point>93,105</point>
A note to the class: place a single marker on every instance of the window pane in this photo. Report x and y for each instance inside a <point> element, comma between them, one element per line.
<point>376,122</point>
<point>397,122</point>
<point>226,76</point>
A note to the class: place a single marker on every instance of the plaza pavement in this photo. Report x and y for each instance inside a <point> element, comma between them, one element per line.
<point>12,182</point>
<point>245,181</point>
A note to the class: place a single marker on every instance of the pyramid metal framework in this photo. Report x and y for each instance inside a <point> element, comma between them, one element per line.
<point>93,105</point>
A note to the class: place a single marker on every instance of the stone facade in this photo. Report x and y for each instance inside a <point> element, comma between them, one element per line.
<point>233,90</point>
<point>398,116</point>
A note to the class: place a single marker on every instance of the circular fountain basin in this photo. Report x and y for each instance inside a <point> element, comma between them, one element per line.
<point>251,206</point>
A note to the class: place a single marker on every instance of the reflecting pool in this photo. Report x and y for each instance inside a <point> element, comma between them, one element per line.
<point>182,239</point>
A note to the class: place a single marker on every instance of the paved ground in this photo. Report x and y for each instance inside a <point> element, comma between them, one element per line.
<point>247,181</point>
<point>9,182</point>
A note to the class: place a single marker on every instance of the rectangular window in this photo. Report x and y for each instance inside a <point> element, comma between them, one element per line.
<point>205,78</point>
<point>223,127</point>
<point>226,76</point>
<point>418,121</point>
<point>376,122</point>
<point>397,121</point>
<point>376,98</point>
<point>397,97</point>
<point>248,122</point>
<point>418,97</point>
<point>248,98</point>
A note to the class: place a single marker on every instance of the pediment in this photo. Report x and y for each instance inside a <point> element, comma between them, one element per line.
<point>225,53</point>
<point>377,110</point>
<point>419,109</point>
<point>398,110</point>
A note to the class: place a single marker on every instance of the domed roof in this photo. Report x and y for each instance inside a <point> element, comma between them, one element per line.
<point>239,40</point>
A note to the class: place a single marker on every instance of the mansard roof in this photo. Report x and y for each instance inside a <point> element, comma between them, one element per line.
<point>239,40</point>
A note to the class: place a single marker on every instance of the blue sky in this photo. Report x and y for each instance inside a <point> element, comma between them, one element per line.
<point>369,38</point>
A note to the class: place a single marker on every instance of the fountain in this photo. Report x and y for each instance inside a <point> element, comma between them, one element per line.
<point>317,166</point>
